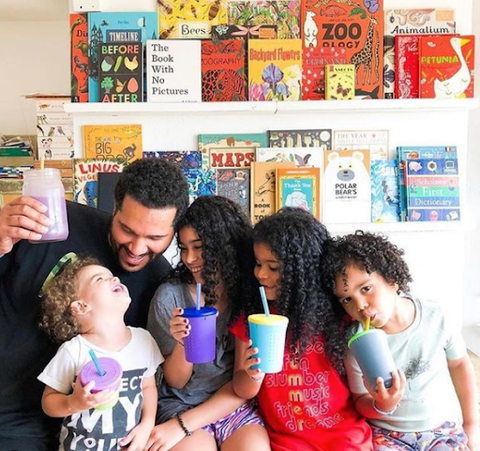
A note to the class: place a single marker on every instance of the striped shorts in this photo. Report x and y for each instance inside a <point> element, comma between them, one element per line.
<point>225,427</point>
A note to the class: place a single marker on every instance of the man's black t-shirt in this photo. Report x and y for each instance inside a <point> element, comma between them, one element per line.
<point>24,349</point>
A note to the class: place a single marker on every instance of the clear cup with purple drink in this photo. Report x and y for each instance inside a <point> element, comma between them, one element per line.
<point>200,344</point>
<point>45,185</point>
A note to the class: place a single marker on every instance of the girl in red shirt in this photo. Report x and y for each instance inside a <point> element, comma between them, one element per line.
<point>307,405</point>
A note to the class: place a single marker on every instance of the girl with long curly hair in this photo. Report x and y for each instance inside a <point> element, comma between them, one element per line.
<point>307,405</point>
<point>197,406</point>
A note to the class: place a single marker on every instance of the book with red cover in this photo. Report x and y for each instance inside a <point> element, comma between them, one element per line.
<point>223,71</point>
<point>446,67</point>
<point>314,62</point>
<point>355,26</point>
<point>407,78</point>
<point>79,57</point>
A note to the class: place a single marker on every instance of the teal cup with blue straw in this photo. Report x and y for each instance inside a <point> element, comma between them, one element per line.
<point>268,333</point>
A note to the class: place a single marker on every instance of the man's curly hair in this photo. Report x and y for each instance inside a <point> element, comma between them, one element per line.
<point>154,183</point>
<point>225,231</point>
<point>298,240</point>
<point>368,251</point>
<point>57,318</point>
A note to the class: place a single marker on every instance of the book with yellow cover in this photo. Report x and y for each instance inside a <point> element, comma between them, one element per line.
<point>262,189</point>
<point>121,142</point>
<point>274,69</point>
<point>339,81</point>
<point>299,188</point>
<point>190,19</point>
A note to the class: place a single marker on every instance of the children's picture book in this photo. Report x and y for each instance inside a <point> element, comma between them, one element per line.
<point>417,152</point>
<point>432,189</point>
<point>315,59</point>
<point>120,72</point>
<point>447,67</point>
<point>284,14</point>
<point>298,188</point>
<point>174,71</point>
<point>200,183</point>
<point>274,69</point>
<point>407,75</point>
<point>385,191</point>
<point>262,191</point>
<point>185,159</point>
<point>339,81</point>
<point>85,178</point>
<point>261,31</point>
<point>121,142</point>
<point>64,166</point>
<point>410,21</point>
<point>319,138</point>
<point>79,57</point>
<point>115,27</point>
<point>190,19</point>
<point>356,27</point>
<point>346,187</point>
<point>223,71</point>
<point>374,140</point>
<point>230,151</point>
<point>300,156</point>
<point>235,185</point>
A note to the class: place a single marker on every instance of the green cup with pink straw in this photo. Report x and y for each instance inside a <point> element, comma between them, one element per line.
<point>268,333</point>
<point>107,375</point>
<point>200,344</point>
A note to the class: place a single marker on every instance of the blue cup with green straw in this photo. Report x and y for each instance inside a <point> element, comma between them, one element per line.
<point>200,344</point>
<point>268,333</point>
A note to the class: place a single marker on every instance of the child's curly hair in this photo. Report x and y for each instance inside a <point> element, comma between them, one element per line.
<point>368,251</point>
<point>57,318</point>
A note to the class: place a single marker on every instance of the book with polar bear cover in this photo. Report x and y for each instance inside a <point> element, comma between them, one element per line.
<point>346,187</point>
<point>298,188</point>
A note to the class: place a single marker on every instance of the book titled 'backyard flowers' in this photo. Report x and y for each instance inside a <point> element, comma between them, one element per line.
<point>275,69</point>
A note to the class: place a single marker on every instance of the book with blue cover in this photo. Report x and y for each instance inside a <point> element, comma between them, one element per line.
<point>404,152</point>
<point>385,191</point>
<point>185,159</point>
<point>432,188</point>
<point>109,27</point>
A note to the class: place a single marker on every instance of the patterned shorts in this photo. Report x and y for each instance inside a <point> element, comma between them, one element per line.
<point>225,427</point>
<point>447,437</point>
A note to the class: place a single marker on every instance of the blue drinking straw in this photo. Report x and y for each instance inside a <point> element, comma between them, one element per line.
<point>99,368</point>
<point>264,301</point>
<point>199,295</point>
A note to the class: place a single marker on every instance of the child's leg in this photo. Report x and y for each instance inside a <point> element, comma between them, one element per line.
<point>447,437</point>
<point>384,439</point>
<point>200,440</point>
<point>243,430</point>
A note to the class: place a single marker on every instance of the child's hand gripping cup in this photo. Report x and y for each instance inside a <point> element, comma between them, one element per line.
<point>200,344</point>
<point>371,351</point>
<point>108,378</point>
<point>268,333</point>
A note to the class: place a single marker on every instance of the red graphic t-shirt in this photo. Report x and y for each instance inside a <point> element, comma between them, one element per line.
<point>307,406</point>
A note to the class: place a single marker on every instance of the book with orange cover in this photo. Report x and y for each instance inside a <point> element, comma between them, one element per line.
<point>79,57</point>
<point>121,142</point>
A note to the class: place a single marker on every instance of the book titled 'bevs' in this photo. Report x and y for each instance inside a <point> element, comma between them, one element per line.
<point>275,69</point>
<point>120,72</point>
<point>174,71</point>
<point>446,67</point>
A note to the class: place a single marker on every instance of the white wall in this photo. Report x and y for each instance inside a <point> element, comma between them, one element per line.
<point>35,57</point>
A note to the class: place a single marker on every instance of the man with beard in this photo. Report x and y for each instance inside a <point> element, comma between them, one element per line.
<point>149,197</point>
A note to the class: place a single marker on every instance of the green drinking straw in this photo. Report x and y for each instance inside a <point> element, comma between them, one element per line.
<point>264,301</point>
<point>199,295</point>
<point>99,368</point>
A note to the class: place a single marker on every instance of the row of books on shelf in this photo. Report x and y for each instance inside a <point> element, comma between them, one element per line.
<point>216,50</point>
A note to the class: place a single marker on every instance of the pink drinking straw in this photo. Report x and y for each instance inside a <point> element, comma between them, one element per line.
<point>199,295</point>
<point>264,301</point>
<point>100,370</point>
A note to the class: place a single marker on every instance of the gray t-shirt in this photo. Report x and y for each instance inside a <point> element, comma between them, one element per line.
<point>422,351</point>
<point>206,378</point>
